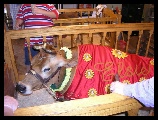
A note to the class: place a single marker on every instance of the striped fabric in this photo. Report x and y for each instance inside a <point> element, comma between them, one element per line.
<point>36,20</point>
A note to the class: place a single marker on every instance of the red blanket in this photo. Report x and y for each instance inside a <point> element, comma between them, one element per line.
<point>97,66</point>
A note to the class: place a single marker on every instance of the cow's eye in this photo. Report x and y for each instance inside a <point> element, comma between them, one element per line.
<point>46,69</point>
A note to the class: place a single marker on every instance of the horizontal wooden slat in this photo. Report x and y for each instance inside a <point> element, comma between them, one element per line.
<point>77,29</point>
<point>85,20</point>
<point>102,105</point>
<point>77,10</point>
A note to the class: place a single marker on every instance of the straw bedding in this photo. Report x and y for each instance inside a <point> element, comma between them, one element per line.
<point>39,97</point>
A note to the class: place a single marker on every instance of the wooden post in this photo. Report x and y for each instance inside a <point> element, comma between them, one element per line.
<point>44,39</point>
<point>119,17</point>
<point>102,42</point>
<point>28,43</point>
<point>81,35</point>
<point>10,59</point>
<point>138,45</point>
<point>72,37</point>
<point>116,43</point>
<point>113,39</point>
<point>147,49</point>
<point>129,33</point>
<point>73,40</point>
<point>90,40</point>
<point>59,41</point>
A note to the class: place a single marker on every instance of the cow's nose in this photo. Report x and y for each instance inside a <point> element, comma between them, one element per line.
<point>21,88</point>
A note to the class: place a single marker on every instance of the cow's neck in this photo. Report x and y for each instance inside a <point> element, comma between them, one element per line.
<point>63,81</point>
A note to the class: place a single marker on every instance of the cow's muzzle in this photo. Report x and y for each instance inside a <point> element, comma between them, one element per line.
<point>20,88</point>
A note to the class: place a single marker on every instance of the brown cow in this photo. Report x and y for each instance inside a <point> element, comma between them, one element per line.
<point>93,68</point>
<point>45,64</point>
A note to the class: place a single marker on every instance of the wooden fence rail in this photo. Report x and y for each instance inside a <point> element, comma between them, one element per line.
<point>74,30</point>
<point>108,17</point>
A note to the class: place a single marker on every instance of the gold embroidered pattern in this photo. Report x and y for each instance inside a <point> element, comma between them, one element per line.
<point>92,92</point>
<point>129,72</point>
<point>107,88</point>
<point>141,79</point>
<point>106,70</point>
<point>126,81</point>
<point>152,62</point>
<point>87,57</point>
<point>119,54</point>
<point>89,74</point>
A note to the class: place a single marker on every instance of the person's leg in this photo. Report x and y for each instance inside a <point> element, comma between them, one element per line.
<point>34,52</point>
<point>27,59</point>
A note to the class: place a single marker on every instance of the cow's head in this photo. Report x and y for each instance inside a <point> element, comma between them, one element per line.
<point>44,64</point>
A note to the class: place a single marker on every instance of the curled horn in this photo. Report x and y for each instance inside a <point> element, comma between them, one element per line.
<point>45,47</point>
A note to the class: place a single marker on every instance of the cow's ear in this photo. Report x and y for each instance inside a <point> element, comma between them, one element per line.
<point>49,49</point>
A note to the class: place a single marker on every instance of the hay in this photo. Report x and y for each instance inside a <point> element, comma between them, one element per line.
<point>39,97</point>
